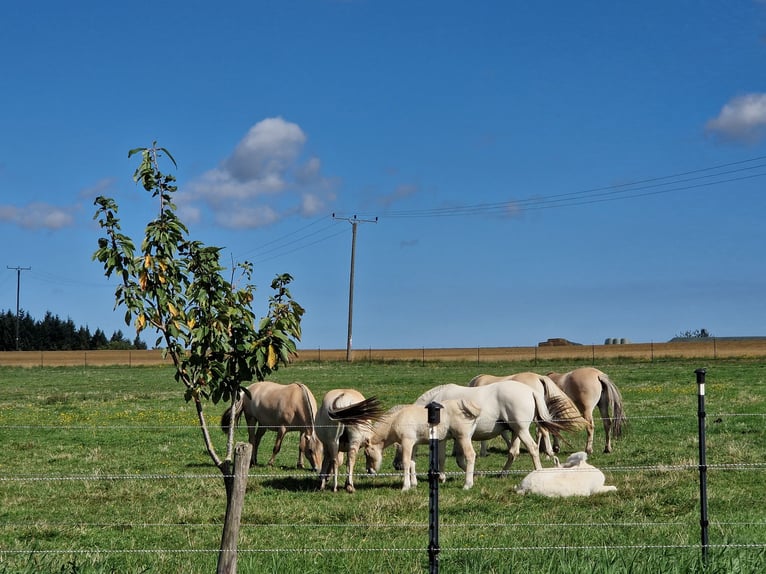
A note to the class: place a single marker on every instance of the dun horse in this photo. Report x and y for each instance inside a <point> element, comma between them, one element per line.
<point>280,408</point>
<point>588,387</point>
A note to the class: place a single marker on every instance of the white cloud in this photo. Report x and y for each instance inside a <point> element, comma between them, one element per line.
<point>37,216</point>
<point>742,119</point>
<point>264,179</point>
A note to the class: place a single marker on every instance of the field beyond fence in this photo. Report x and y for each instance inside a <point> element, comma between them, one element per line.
<point>710,349</point>
<point>104,470</point>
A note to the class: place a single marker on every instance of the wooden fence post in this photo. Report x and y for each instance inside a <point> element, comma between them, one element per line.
<point>235,498</point>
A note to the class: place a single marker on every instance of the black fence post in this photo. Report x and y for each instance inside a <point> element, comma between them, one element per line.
<point>702,460</point>
<point>434,417</point>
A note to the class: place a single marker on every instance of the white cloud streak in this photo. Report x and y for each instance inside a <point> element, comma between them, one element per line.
<point>742,119</point>
<point>37,216</point>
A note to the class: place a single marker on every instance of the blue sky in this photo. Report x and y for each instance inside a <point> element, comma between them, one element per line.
<point>538,169</point>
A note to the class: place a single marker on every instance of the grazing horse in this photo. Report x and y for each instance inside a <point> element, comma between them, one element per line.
<point>344,420</point>
<point>280,408</point>
<point>509,405</point>
<point>407,425</point>
<point>540,383</point>
<point>589,387</point>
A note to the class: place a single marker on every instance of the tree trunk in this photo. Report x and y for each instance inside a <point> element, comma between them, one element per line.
<point>236,484</point>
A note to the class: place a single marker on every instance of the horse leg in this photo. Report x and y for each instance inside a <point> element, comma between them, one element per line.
<point>407,448</point>
<point>281,432</point>
<point>513,452</point>
<point>255,439</point>
<point>529,442</point>
<point>442,452</point>
<point>544,437</point>
<point>603,407</point>
<point>469,461</point>
<point>302,445</point>
<point>350,462</point>
<point>397,457</point>
<point>484,450</point>
<point>589,429</point>
<point>329,465</point>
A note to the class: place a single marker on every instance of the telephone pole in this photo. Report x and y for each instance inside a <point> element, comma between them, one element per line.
<point>354,221</point>
<point>18,290</point>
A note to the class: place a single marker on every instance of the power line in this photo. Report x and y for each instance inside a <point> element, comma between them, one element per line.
<point>18,292</point>
<point>641,188</point>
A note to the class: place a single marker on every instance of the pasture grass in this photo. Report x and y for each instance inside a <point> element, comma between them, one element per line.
<point>104,470</point>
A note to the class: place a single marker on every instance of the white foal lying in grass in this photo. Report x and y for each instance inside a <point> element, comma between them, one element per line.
<point>574,478</point>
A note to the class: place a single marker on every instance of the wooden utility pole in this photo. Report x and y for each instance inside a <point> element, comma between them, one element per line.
<point>354,221</point>
<point>18,291</point>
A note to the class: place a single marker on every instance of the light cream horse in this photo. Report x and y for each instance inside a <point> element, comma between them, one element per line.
<point>509,406</point>
<point>342,423</point>
<point>540,383</point>
<point>407,425</point>
<point>270,406</point>
<point>588,387</point>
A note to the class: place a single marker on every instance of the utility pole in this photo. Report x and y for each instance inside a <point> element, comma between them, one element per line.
<point>18,290</point>
<point>354,221</point>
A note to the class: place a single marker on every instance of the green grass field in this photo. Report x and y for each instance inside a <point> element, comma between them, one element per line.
<point>104,470</point>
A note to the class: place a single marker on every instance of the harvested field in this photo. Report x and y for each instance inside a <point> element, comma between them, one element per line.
<point>712,349</point>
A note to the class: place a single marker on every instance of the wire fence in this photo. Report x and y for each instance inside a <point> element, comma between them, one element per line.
<point>458,529</point>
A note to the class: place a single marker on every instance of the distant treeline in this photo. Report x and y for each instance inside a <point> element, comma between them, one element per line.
<point>55,334</point>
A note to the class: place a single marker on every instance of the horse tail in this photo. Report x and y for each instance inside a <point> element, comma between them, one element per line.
<point>359,413</point>
<point>545,381</point>
<point>309,406</point>
<point>619,421</point>
<point>470,409</point>
<point>238,406</point>
<point>557,415</point>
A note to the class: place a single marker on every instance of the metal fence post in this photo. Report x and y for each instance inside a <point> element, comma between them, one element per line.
<point>434,417</point>
<point>702,460</point>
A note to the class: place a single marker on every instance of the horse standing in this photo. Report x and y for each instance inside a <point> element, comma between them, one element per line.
<point>588,387</point>
<point>407,425</point>
<point>509,406</point>
<point>280,408</point>
<point>540,383</point>
<point>342,423</point>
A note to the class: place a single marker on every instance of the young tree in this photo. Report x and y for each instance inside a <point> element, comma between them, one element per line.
<point>205,323</point>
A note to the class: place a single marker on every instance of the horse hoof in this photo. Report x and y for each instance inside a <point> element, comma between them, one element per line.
<point>350,489</point>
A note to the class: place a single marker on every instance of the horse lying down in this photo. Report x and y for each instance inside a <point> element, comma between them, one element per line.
<point>407,425</point>
<point>574,478</point>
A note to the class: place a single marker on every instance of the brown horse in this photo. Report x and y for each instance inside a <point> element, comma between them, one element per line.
<point>280,408</point>
<point>588,387</point>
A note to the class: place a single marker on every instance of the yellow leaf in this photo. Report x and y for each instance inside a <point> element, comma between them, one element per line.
<point>191,322</point>
<point>140,321</point>
<point>147,261</point>
<point>143,280</point>
<point>172,309</point>
<point>271,359</point>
